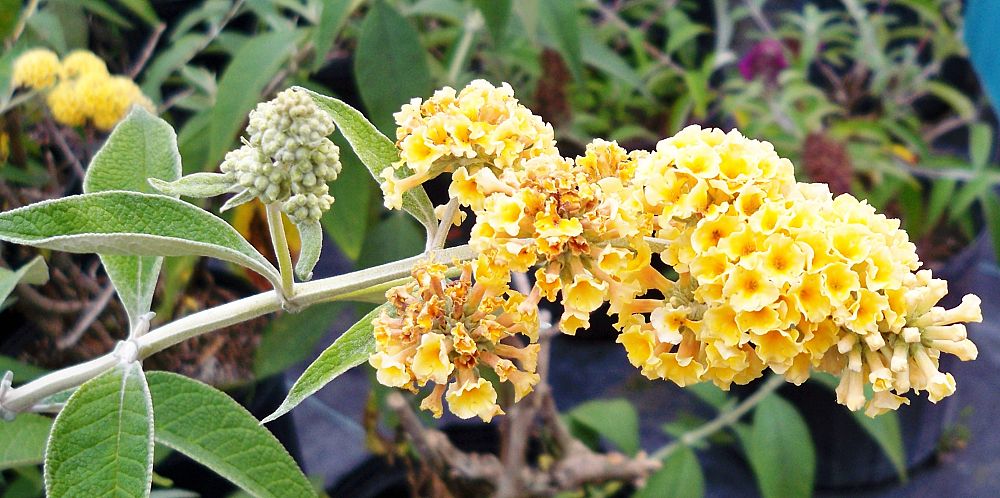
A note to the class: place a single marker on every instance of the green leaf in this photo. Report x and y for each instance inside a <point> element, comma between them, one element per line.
<point>23,372</point>
<point>781,451</point>
<point>289,338</point>
<point>22,440</point>
<point>252,67</point>
<point>130,224</point>
<point>102,441</point>
<point>709,393</point>
<point>311,235</point>
<point>960,103</point>
<point>595,54</point>
<point>991,211</point>
<point>143,10</point>
<point>968,194</point>
<point>390,64</point>
<point>941,195</point>
<point>376,151</point>
<point>10,10</point>
<point>615,419</point>
<point>980,144</point>
<point>141,147</point>
<point>209,427</point>
<point>198,185</point>
<point>351,349</point>
<point>395,238</point>
<point>347,221</point>
<point>680,475</point>
<point>497,16</point>
<point>34,272</point>
<point>560,19</point>
<point>332,18</point>
<point>178,53</point>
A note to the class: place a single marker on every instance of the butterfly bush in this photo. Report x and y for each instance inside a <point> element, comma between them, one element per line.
<point>771,273</point>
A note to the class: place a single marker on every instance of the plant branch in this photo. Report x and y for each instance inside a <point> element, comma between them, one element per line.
<point>340,287</point>
<point>94,310</point>
<point>725,418</point>
<point>280,243</point>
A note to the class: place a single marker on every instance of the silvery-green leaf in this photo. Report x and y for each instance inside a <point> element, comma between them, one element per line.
<point>140,148</point>
<point>130,224</point>
<point>376,151</point>
<point>311,235</point>
<point>198,185</point>
<point>35,272</point>
<point>102,441</point>
<point>209,427</point>
<point>351,349</point>
<point>237,200</point>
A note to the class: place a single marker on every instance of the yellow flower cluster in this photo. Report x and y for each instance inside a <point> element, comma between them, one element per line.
<point>581,221</point>
<point>83,89</point>
<point>36,69</point>
<point>771,273</point>
<point>445,332</point>
<point>477,133</point>
<point>800,282</point>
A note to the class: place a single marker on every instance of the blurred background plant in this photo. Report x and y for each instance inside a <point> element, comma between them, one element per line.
<point>876,98</point>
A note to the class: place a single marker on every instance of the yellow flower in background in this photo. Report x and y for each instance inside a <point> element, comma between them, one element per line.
<point>82,90</point>
<point>81,63</point>
<point>64,104</point>
<point>37,68</point>
<point>443,332</point>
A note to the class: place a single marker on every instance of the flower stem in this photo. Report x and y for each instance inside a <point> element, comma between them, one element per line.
<point>725,418</point>
<point>281,251</point>
<point>341,287</point>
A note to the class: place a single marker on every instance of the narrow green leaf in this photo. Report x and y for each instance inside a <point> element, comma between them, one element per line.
<point>680,476</point>
<point>497,16</point>
<point>347,221</point>
<point>22,440</point>
<point>390,64</point>
<point>596,54</point>
<point>198,185</point>
<point>332,18</point>
<point>311,235</point>
<point>10,10</point>
<point>980,144</point>
<point>958,101</point>
<point>130,224</point>
<point>35,272</point>
<point>209,427</point>
<point>143,10</point>
<point>289,338</point>
<point>615,419</point>
<point>351,349</point>
<point>941,195</point>
<point>709,393</point>
<point>178,53</point>
<point>395,238</point>
<point>781,451</point>
<point>251,68</point>
<point>140,148</point>
<point>968,194</point>
<point>561,20</point>
<point>376,151</point>
<point>102,441</point>
<point>991,211</point>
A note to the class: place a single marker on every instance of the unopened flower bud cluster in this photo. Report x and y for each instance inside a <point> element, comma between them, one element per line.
<point>288,157</point>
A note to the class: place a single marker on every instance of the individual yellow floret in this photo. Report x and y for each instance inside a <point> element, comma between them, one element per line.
<point>36,69</point>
